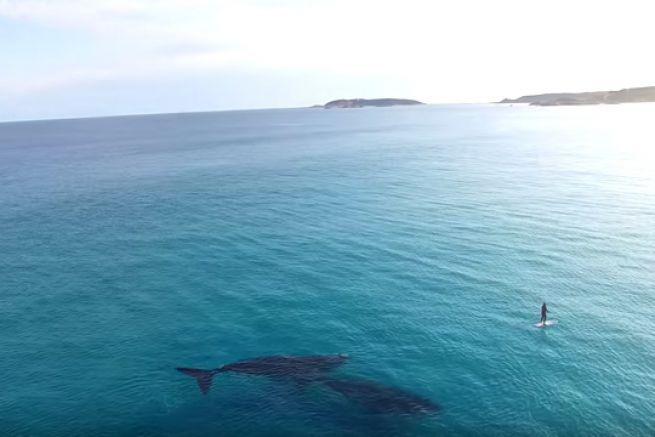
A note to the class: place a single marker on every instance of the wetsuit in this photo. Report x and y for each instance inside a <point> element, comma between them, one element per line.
<point>544,311</point>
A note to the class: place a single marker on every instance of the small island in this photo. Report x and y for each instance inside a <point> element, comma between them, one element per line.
<point>361,103</point>
<point>627,95</point>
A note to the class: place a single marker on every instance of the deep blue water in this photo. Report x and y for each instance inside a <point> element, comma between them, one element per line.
<point>419,240</point>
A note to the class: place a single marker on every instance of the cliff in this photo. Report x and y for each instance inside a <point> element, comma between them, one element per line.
<point>628,95</point>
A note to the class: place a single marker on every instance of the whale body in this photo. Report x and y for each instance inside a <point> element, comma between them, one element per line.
<point>273,366</point>
<point>379,398</point>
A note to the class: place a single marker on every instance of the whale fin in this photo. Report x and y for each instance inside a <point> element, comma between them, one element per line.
<point>203,377</point>
<point>302,381</point>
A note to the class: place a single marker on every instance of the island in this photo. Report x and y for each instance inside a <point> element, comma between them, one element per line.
<point>361,103</point>
<point>627,95</point>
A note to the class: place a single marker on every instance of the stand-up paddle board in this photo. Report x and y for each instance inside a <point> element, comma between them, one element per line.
<point>546,324</point>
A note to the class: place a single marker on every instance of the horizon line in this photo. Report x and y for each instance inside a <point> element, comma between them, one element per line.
<point>145,114</point>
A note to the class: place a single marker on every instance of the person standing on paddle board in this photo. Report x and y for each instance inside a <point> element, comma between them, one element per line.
<point>544,311</point>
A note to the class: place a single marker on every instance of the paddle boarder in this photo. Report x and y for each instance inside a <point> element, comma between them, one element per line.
<point>544,311</point>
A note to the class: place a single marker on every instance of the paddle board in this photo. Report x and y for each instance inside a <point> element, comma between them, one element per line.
<point>546,325</point>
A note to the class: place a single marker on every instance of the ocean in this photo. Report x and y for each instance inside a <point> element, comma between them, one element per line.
<point>421,241</point>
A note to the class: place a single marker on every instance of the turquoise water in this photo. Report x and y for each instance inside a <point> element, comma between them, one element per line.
<point>419,240</point>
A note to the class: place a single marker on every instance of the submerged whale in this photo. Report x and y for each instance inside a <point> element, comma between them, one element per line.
<point>379,398</point>
<point>275,365</point>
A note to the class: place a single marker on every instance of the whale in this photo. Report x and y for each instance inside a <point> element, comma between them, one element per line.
<point>379,398</point>
<point>302,367</point>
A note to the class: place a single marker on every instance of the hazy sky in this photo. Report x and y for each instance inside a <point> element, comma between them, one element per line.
<point>67,58</point>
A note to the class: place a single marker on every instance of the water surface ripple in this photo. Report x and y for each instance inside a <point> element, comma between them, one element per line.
<point>419,240</point>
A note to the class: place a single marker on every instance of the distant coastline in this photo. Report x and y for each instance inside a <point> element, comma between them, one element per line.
<point>627,95</point>
<point>362,103</point>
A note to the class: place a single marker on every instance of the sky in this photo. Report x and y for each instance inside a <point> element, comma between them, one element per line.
<point>81,58</point>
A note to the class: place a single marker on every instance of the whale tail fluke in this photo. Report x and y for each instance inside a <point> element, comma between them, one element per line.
<point>203,377</point>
